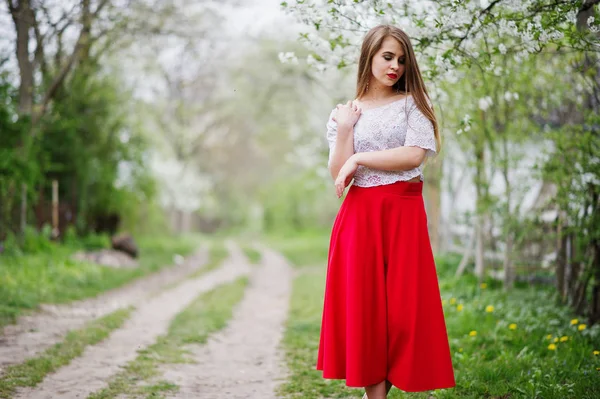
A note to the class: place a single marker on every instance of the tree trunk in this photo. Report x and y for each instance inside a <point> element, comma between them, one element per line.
<point>468,252</point>
<point>509,270</point>
<point>22,16</point>
<point>433,198</point>
<point>561,259</point>
<point>480,208</point>
<point>479,248</point>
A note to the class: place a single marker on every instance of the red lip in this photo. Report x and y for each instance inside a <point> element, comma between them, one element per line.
<point>392,76</point>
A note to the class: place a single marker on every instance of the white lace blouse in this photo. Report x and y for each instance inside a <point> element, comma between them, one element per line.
<point>392,125</point>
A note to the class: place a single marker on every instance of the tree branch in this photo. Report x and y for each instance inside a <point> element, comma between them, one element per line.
<point>481,14</point>
<point>56,83</point>
<point>102,4</point>
<point>587,5</point>
<point>40,58</point>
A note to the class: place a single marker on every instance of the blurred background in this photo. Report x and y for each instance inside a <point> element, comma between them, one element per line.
<point>166,119</point>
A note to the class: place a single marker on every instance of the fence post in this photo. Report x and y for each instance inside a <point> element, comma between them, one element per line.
<point>55,230</point>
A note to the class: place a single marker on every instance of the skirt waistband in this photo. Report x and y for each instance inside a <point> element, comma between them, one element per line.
<point>398,188</point>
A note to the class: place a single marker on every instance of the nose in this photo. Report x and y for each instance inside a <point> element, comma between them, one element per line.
<point>395,65</point>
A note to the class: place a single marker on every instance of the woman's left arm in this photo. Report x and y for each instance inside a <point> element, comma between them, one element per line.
<point>394,159</point>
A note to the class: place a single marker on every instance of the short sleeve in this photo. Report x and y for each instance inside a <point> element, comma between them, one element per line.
<point>420,132</point>
<point>331,135</point>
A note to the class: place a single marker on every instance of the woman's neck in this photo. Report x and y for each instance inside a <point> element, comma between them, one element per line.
<point>376,91</point>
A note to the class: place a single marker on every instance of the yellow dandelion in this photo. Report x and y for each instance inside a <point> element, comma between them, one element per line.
<point>549,336</point>
<point>552,347</point>
<point>489,308</point>
<point>460,349</point>
<point>452,301</point>
<point>596,353</point>
<point>556,339</point>
<point>512,326</point>
<point>443,302</point>
<point>574,321</point>
<point>564,339</point>
<point>459,307</point>
<point>581,327</point>
<point>483,286</point>
<point>473,333</point>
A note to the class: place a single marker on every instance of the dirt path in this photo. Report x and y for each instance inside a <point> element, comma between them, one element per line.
<point>244,360</point>
<point>34,333</point>
<point>91,371</point>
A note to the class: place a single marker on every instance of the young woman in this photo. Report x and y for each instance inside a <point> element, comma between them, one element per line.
<point>383,322</point>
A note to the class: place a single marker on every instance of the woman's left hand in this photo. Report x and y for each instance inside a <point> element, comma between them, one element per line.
<point>345,175</point>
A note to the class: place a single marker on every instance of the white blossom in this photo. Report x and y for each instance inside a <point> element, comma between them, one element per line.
<point>485,103</point>
<point>502,48</point>
<point>508,96</point>
<point>590,23</point>
<point>288,57</point>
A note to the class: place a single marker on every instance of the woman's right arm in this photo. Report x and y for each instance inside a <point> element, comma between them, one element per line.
<point>340,134</point>
<point>343,149</point>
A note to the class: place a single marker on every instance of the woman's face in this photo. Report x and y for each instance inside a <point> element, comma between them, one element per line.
<point>388,63</point>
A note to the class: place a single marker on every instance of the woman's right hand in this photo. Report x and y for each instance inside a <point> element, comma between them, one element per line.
<point>347,114</point>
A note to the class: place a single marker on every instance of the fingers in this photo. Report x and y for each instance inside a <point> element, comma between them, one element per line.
<point>340,185</point>
<point>350,104</point>
<point>339,189</point>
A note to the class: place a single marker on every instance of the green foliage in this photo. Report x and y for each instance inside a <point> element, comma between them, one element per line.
<point>298,202</point>
<point>17,166</point>
<point>574,167</point>
<point>88,143</point>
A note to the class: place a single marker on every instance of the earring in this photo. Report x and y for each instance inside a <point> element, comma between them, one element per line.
<point>367,86</point>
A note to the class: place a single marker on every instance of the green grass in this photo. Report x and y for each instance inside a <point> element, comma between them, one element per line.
<point>498,362</point>
<point>51,276</point>
<point>209,313</point>
<point>33,371</point>
<point>309,248</point>
<point>254,256</point>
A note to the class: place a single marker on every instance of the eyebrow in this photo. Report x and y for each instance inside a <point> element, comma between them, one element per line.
<point>391,53</point>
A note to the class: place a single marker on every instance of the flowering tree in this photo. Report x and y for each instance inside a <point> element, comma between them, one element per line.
<point>522,71</point>
<point>447,33</point>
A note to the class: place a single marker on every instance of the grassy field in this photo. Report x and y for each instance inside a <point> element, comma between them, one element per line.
<point>504,345</point>
<point>253,255</point>
<point>49,275</point>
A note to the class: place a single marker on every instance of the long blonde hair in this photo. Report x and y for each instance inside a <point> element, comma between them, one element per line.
<point>411,81</point>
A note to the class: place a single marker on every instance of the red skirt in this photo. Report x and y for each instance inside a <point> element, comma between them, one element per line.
<point>382,314</point>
